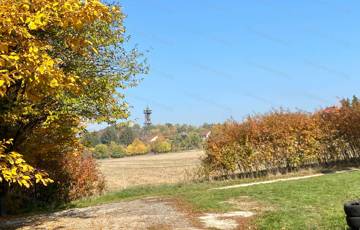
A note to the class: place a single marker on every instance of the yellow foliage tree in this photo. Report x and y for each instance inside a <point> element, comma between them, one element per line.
<point>14,169</point>
<point>161,146</point>
<point>62,63</point>
<point>27,63</point>
<point>137,147</point>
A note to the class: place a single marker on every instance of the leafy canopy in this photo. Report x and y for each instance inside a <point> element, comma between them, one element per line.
<point>62,63</point>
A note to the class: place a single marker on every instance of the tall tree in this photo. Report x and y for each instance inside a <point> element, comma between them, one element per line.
<point>62,63</point>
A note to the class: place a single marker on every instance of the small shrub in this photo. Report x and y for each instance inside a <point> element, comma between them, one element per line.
<point>86,179</point>
<point>186,141</point>
<point>101,151</point>
<point>161,146</point>
<point>117,154</point>
<point>137,147</point>
<point>117,151</point>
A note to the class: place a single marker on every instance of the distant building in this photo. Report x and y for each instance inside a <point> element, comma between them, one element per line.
<point>154,139</point>
<point>147,113</point>
<point>205,134</point>
<point>131,124</point>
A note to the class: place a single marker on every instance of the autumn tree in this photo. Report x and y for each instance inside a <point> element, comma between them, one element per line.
<point>62,63</point>
<point>161,146</point>
<point>137,147</point>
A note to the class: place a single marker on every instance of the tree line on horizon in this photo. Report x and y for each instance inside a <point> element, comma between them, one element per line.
<point>125,140</point>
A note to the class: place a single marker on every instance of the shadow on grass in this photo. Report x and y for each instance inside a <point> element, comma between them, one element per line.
<point>37,219</point>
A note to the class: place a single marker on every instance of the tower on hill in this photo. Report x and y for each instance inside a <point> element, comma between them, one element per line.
<point>147,113</point>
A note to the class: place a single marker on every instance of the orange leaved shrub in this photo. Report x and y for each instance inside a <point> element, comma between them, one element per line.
<point>282,141</point>
<point>60,154</point>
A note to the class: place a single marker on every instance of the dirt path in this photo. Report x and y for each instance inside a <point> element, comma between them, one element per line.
<point>143,214</point>
<point>151,213</point>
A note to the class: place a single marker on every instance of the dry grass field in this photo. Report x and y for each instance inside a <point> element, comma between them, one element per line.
<point>149,169</point>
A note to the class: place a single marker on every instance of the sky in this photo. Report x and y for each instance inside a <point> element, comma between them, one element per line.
<point>214,60</point>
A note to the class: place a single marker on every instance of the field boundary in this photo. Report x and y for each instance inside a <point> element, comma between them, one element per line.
<point>282,179</point>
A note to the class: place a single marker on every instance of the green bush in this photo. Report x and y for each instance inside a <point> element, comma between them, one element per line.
<point>117,154</point>
<point>116,151</point>
<point>187,141</point>
<point>163,146</point>
<point>101,151</point>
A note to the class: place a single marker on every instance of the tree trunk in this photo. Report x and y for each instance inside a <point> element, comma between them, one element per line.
<point>3,192</point>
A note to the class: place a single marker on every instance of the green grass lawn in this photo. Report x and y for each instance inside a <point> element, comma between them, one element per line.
<point>315,203</point>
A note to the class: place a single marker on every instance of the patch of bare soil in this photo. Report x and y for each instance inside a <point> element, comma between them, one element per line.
<point>246,203</point>
<point>139,214</point>
<point>225,221</point>
<point>149,214</point>
<point>242,219</point>
<point>248,211</point>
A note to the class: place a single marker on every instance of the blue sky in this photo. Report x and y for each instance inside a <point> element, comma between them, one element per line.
<point>212,60</point>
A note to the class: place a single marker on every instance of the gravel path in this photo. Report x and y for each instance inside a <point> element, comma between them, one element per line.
<point>139,214</point>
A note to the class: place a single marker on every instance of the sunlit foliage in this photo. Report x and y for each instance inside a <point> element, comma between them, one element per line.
<point>14,169</point>
<point>137,147</point>
<point>283,141</point>
<point>161,146</point>
<point>62,63</point>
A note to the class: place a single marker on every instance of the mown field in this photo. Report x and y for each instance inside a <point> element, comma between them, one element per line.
<point>150,169</point>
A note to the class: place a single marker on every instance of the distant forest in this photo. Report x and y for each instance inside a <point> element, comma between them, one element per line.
<point>132,139</point>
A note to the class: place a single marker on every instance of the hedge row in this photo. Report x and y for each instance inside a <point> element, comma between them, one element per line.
<point>285,141</point>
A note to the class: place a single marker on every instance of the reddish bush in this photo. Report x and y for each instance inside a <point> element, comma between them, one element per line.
<point>285,141</point>
<point>85,179</point>
<point>59,153</point>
